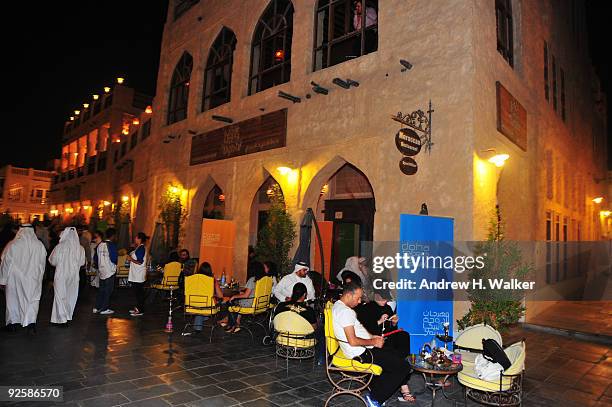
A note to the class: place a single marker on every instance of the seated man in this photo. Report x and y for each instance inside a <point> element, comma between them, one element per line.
<point>284,288</point>
<point>354,339</point>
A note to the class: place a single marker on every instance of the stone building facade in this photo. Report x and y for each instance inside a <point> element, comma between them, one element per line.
<point>24,193</point>
<point>96,168</point>
<point>455,63</point>
<point>503,77</point>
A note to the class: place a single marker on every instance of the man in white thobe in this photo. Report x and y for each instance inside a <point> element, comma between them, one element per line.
<point>284,288</point>
<point>22,266</point>
<point>67,257</point>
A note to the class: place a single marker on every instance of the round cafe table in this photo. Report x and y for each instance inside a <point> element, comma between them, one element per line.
<point>430,372</point>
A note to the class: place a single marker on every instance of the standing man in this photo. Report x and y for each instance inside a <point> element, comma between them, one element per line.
<point>354,339</point>
<point>68,257</point>
<point>107,267</point>
<point>22,267</point>
<point>284,288</point>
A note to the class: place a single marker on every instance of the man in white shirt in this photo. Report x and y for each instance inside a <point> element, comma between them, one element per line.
<point>284,288</point>
<point>354,339</point>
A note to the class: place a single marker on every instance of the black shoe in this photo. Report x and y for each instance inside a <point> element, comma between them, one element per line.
<point>11,328</point>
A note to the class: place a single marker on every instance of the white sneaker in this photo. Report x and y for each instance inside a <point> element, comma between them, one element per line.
<point>95,311</point>
<point>107,312</point>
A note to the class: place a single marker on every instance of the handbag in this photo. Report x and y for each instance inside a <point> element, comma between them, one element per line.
<point>493,352</point>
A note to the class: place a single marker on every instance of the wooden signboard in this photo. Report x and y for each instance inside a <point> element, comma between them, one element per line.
<point>511,117</point>
<point>250,136</point>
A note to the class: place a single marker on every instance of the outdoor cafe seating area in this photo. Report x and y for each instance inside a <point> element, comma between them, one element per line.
<point>295,341</point>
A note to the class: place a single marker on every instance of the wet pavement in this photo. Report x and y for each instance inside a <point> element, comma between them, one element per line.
<point>122,360</point>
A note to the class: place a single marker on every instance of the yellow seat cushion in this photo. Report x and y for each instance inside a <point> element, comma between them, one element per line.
<point>351,365</point>
<point>469,378</point>
<point>295,342</point>
<point>202,311</point>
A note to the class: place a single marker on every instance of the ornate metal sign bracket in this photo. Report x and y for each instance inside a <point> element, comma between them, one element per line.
<point>420,122</point>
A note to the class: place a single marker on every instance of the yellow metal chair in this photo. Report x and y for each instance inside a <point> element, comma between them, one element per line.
<point>170,281</point>
<point>122,271</point>
<point>294,337</point>
<point>343,372</point>
<point>508,391</point>
<point>469,341</point>
<point>200,300</point>
<point>260,306</point>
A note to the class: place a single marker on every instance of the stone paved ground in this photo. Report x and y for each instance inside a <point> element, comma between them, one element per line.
<point>104,361</point>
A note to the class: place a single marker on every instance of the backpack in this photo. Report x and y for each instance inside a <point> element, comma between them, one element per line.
<point>493,352</point>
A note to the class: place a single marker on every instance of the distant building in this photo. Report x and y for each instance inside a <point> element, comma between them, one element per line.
<point>24,192</point>
<point>97,144</point>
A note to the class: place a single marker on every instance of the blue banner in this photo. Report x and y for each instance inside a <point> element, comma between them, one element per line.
<point>425,307</point>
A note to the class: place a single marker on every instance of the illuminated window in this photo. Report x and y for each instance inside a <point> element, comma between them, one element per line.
<point>344,29</point>
<point>271,49</point>
<point>218,74</point>
<point>179,89</point>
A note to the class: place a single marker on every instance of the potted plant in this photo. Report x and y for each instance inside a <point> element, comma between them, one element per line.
<point>276,238</point>
<point>502,260</point>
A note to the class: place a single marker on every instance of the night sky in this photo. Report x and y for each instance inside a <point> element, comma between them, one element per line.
<point>62,52</point>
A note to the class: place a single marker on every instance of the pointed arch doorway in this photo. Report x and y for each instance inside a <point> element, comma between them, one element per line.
<point>347,200</point>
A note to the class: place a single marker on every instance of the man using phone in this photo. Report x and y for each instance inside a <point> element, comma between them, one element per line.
<point>354,339</point>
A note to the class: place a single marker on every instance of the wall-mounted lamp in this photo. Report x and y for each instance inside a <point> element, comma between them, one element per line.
<point>499,160</point>
<point>406,65</point>
<point>598,199</point>
<point>120,80</point>
<point>136,121</point>
<point>85,105</point>
<point>496,159</point>
<point>341,83</point>
<point>220,119</point>
<point>96,97</point>
<point>319,89</point>
<point>149,110</point>
<point>284,170</point>
<point>106,89</point>
<point>605,214</point>
<point>125,198</point>
<point>287,96</point>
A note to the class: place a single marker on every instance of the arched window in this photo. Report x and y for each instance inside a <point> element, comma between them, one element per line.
<point>214,206</point>
<point>271,49</point>
<point>218,74</point>
<point>344,29</point>
<point>179,89</point>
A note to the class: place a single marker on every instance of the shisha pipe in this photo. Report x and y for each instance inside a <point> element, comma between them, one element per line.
<point>169,327</point>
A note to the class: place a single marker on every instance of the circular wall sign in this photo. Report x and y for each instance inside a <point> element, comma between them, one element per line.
<point>408,166</point>
<point>408,142</point>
